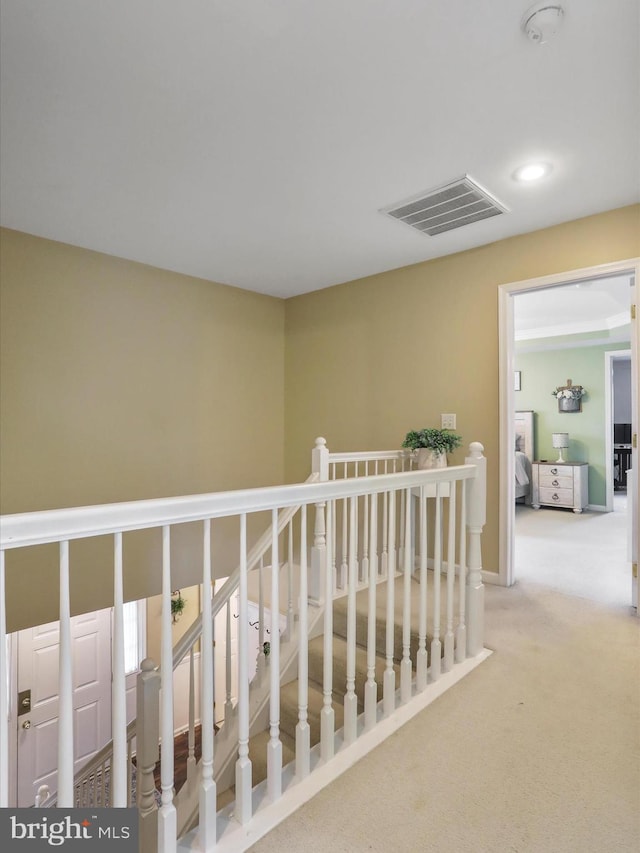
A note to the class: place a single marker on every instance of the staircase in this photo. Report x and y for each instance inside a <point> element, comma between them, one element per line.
<point>372,637</point>
<point>289,692</point>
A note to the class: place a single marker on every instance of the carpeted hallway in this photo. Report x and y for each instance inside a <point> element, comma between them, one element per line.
<point>537,751</point>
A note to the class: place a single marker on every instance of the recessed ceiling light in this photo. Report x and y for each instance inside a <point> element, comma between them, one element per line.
<point>532,172</point>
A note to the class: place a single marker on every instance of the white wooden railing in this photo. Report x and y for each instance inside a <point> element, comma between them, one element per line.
<point>357,523</point>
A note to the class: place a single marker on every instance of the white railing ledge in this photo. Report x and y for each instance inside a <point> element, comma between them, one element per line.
<point>38,528</point>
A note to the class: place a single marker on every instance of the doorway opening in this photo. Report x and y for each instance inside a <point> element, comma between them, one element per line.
<point>551,335</point>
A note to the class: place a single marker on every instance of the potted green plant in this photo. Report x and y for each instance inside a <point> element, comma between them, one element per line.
<point>432,445</point>
<point>177,605</point>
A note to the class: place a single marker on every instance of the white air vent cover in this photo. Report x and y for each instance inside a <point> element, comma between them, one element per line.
<point>447,207</point>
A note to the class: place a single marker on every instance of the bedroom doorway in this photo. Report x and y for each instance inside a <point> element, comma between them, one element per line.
<point>545,329</point>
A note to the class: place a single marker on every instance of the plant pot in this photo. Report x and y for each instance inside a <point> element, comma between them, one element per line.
<point>431,459</point>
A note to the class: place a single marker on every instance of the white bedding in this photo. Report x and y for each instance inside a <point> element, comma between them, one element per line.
<point>522,469</point>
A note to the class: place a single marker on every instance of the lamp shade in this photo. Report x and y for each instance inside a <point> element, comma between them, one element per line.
<point>561,442</point>
<point>560,439</point>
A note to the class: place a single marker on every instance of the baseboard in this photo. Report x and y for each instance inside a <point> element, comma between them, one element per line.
<point>597,508</point>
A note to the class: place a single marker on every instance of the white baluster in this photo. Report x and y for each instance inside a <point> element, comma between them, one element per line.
<point>4,707</point>
<point>191,736</point>
<point>208,793</point>
<point>371,688</point>
<point>65,689</point>
<point>389,680</point>
<point>422,656</point>
<point>274,747</point>
<point>365,532</point>
<point>406,672</point>
<point>316,581</point>
<point>436,647</point>
<point>327,721</point>
<point>402,543</point>
<point>461,630</point>
<point>243,809</point>
<point>320,466</point>
<point>130,799</point>
<point>333,538</point>
<point>228,704</point>
<point>118,686</point>
<point>477,513</point>
<point>344,565</point>
<point>147,738</point>
<point>384,562</point>
<point>167,817</point>
<point>303,730</point>
<point>350,698</point>
<point>261,663</point>
<point>451,578</point>
<point>289,628</point>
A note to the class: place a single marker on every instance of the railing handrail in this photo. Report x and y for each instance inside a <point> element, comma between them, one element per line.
<point>58,525</point>
<point>368,455</point>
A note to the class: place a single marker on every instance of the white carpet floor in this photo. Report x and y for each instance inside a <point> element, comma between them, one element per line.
<point>582,554</point>
<point>536,751</point>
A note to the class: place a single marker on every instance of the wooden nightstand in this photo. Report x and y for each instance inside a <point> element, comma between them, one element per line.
<point>563,484</point>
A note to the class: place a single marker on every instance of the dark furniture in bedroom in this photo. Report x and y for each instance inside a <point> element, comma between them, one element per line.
<point>621,455</point>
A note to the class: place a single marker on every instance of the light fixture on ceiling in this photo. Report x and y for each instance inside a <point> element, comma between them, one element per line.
<point>532,172</point>
<point>542,21</point>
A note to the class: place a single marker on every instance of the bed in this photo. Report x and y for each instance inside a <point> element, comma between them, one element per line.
<point>523,454</point>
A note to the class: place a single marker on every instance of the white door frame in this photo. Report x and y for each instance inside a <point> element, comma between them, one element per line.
<point>506,292</point>
<point>609,357</point>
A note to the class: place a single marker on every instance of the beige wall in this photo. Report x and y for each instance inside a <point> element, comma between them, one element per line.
<point>120,381</point>
<point>368,360</point>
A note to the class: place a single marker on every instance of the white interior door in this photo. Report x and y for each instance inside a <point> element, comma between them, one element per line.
<point>38,673</point>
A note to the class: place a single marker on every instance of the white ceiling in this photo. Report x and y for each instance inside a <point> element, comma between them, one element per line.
<point>588,306</point>
<point>254,142</point>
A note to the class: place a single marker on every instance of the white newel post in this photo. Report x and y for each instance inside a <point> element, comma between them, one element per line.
<point>147,752</point>
<point>319,466</point>
<point>476,518</point>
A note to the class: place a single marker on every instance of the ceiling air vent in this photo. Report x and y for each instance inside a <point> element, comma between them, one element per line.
<point>447,207</point>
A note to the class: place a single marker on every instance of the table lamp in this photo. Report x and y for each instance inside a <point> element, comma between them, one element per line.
<point>561,442</point>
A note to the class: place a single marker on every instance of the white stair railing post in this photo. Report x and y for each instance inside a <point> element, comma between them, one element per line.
<point>65,688</point>
<point>451,578</point>
<point>389,678</point>
<point>274,747</point>
<point>118,779</point>
<point>436,646</point>
<point>476,518</point>
<point>208,790</point>
<point>371,687</point>
<point>319,466</point>
<point>327,715</point>
<point>191,737</point>
<point>350,698</point>
<point>244,806</point>
<point>303,730</point>
<point>422,659</point>
<point>147,752</point>
<point>167,816</point>
<point>261,663</point>
<point>406,671</point>
<point>228,704</point>
<point>461,630</point>
<point>4,707</point>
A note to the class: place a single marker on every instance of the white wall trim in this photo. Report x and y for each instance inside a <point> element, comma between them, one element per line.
<point>598,508</point>
<point>506,344</point>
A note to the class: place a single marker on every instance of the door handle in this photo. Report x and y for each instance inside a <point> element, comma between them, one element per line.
<point>26,724</point>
